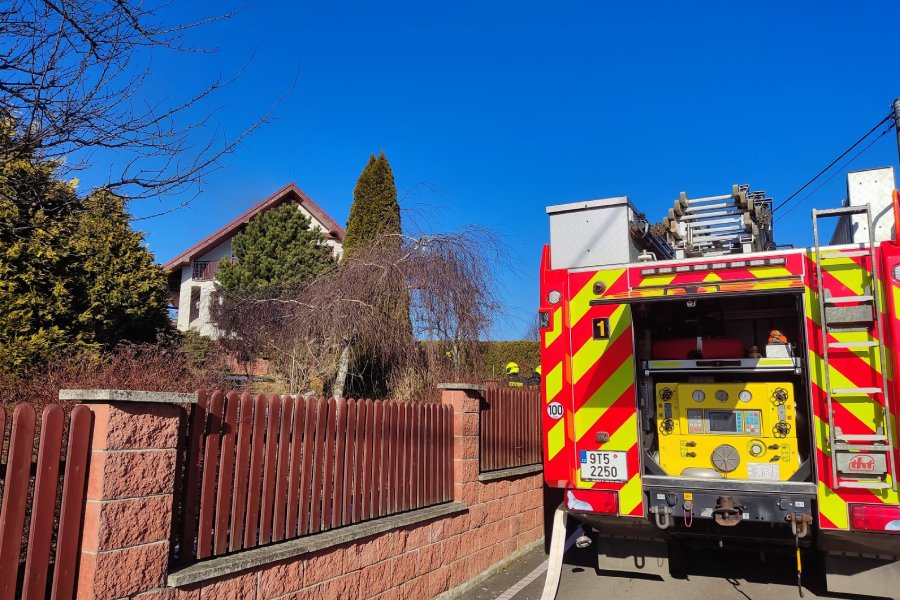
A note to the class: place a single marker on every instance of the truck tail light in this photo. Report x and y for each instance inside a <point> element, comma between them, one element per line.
<point>597,501</point>
<point>875,517</point>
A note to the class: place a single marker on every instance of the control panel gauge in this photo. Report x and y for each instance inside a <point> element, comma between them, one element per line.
<point>740,430</point>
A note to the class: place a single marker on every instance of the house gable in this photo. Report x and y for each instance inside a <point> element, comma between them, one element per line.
<point>333,232</point>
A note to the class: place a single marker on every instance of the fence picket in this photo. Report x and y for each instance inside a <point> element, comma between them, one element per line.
<point>328,474</point>
<point>378,458</point>
<point>337,506</point>
<point>193,469</point>
<point>309,429</point>
<point>281,492</point>
<point>12,510</point>
<point>72,503</point>
<point>293,502</point>
<point>318,465</point>
<point>448,453</point>
<point>241,473</point>
<point>273,416</point>
<point>43,503</point>
<point>255,480</point>
<point>226,474</point>
<point>391,477</point>
<point>349,464</point>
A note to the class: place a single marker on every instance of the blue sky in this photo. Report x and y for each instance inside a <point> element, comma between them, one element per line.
<point>491,111</point>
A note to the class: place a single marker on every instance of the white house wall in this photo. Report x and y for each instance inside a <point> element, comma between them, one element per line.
<point>202,324</point>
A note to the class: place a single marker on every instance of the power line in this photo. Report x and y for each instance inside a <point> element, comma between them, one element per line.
<point>835,161</point>
<point>830,177</point>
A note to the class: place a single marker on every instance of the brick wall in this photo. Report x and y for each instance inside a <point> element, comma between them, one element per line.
<point>126,537</point>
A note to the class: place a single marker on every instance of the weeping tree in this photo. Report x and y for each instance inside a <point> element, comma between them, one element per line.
<point>448,279</point>
<point>374,222</point>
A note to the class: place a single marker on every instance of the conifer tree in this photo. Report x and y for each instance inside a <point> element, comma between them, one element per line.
<point>374,224</point>
<point>73,274</point>
<point>125,294</point>
<point>278,247</point>
<point>375,211</point>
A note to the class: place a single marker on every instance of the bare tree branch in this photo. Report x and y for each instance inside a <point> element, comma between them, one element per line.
<point>305,328</point>
<point>72,74</point>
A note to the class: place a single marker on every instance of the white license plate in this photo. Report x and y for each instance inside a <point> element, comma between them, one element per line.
<point>605,465</point>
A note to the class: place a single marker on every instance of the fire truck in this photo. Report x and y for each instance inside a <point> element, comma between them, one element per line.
<point>705,386</point>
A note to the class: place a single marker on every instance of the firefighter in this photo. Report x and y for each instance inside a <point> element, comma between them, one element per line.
<point>535,378</point>
<point>512,375</point>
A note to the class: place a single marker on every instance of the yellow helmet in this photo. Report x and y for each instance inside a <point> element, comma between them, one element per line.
<point>537,370</point>
<point>512,368</point>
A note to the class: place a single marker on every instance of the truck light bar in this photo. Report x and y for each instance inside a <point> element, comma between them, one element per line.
<point>732,264</point>
<point>875,517</point>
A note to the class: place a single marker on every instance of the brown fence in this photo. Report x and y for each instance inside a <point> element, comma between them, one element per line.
<point>264,469</point>
<point>43,500</point>
<point>510,428</point>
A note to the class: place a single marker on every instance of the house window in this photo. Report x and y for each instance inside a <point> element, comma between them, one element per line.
<point>195,303</point>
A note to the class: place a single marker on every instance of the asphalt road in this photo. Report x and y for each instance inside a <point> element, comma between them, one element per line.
<point>709,575</point>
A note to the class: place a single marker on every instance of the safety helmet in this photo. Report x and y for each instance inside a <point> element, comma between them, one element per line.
<point>537,370</point>
<point>776,337</point>
<point>512,368</point>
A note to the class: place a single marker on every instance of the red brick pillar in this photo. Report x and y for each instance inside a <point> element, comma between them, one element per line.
<point>130,487</point>
<point>465,398</point>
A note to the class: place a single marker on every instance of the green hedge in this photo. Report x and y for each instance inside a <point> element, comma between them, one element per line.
<point>495,355</point>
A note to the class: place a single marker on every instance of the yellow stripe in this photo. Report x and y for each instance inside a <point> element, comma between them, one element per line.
<point>556,439</point>
<point>586,357</point>
<point>600,401</point>
<point>887,496</point>
<point>581,303</point>
<point>624,438</point>
<point>895,291</point>
<point>655,280</point>
<point>554,381</point>
<point>867,411</point>
<point>833,506</point>
<point>630,495</point>
<point>849,273</point>
<point>550,336</point>
<point>769,272</point>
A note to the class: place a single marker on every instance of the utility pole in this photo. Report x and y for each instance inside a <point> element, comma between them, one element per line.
<point>897,122</point>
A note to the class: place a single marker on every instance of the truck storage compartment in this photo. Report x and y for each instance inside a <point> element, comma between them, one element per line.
<point>717,400</point>
<point>699,347</point>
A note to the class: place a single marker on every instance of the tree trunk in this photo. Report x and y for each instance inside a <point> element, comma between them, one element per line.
<point>343,366</point>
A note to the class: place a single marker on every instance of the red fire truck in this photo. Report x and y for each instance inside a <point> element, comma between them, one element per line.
<point>705,386</point>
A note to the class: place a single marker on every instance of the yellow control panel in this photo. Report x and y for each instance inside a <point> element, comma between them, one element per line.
<point>733,430</point>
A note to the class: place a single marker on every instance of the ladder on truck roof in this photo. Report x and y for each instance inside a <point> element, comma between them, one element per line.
<point>855,313</point>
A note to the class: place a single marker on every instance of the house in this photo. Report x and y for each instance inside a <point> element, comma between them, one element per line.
<point>192,274</point>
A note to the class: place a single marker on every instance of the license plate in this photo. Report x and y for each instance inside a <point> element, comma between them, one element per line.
<point>605,465</point>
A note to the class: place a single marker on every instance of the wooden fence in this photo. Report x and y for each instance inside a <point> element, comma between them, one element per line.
<point>510,428</point>
<point>45,498</point>
<point>263,469</point>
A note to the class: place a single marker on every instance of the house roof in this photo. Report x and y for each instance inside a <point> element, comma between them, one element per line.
<point>287,193</point>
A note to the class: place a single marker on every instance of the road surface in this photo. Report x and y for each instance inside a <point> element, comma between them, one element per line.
<point>709,575</point>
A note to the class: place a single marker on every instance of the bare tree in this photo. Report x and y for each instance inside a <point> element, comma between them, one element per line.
<point>71,79</point>
<point>305,329</point>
